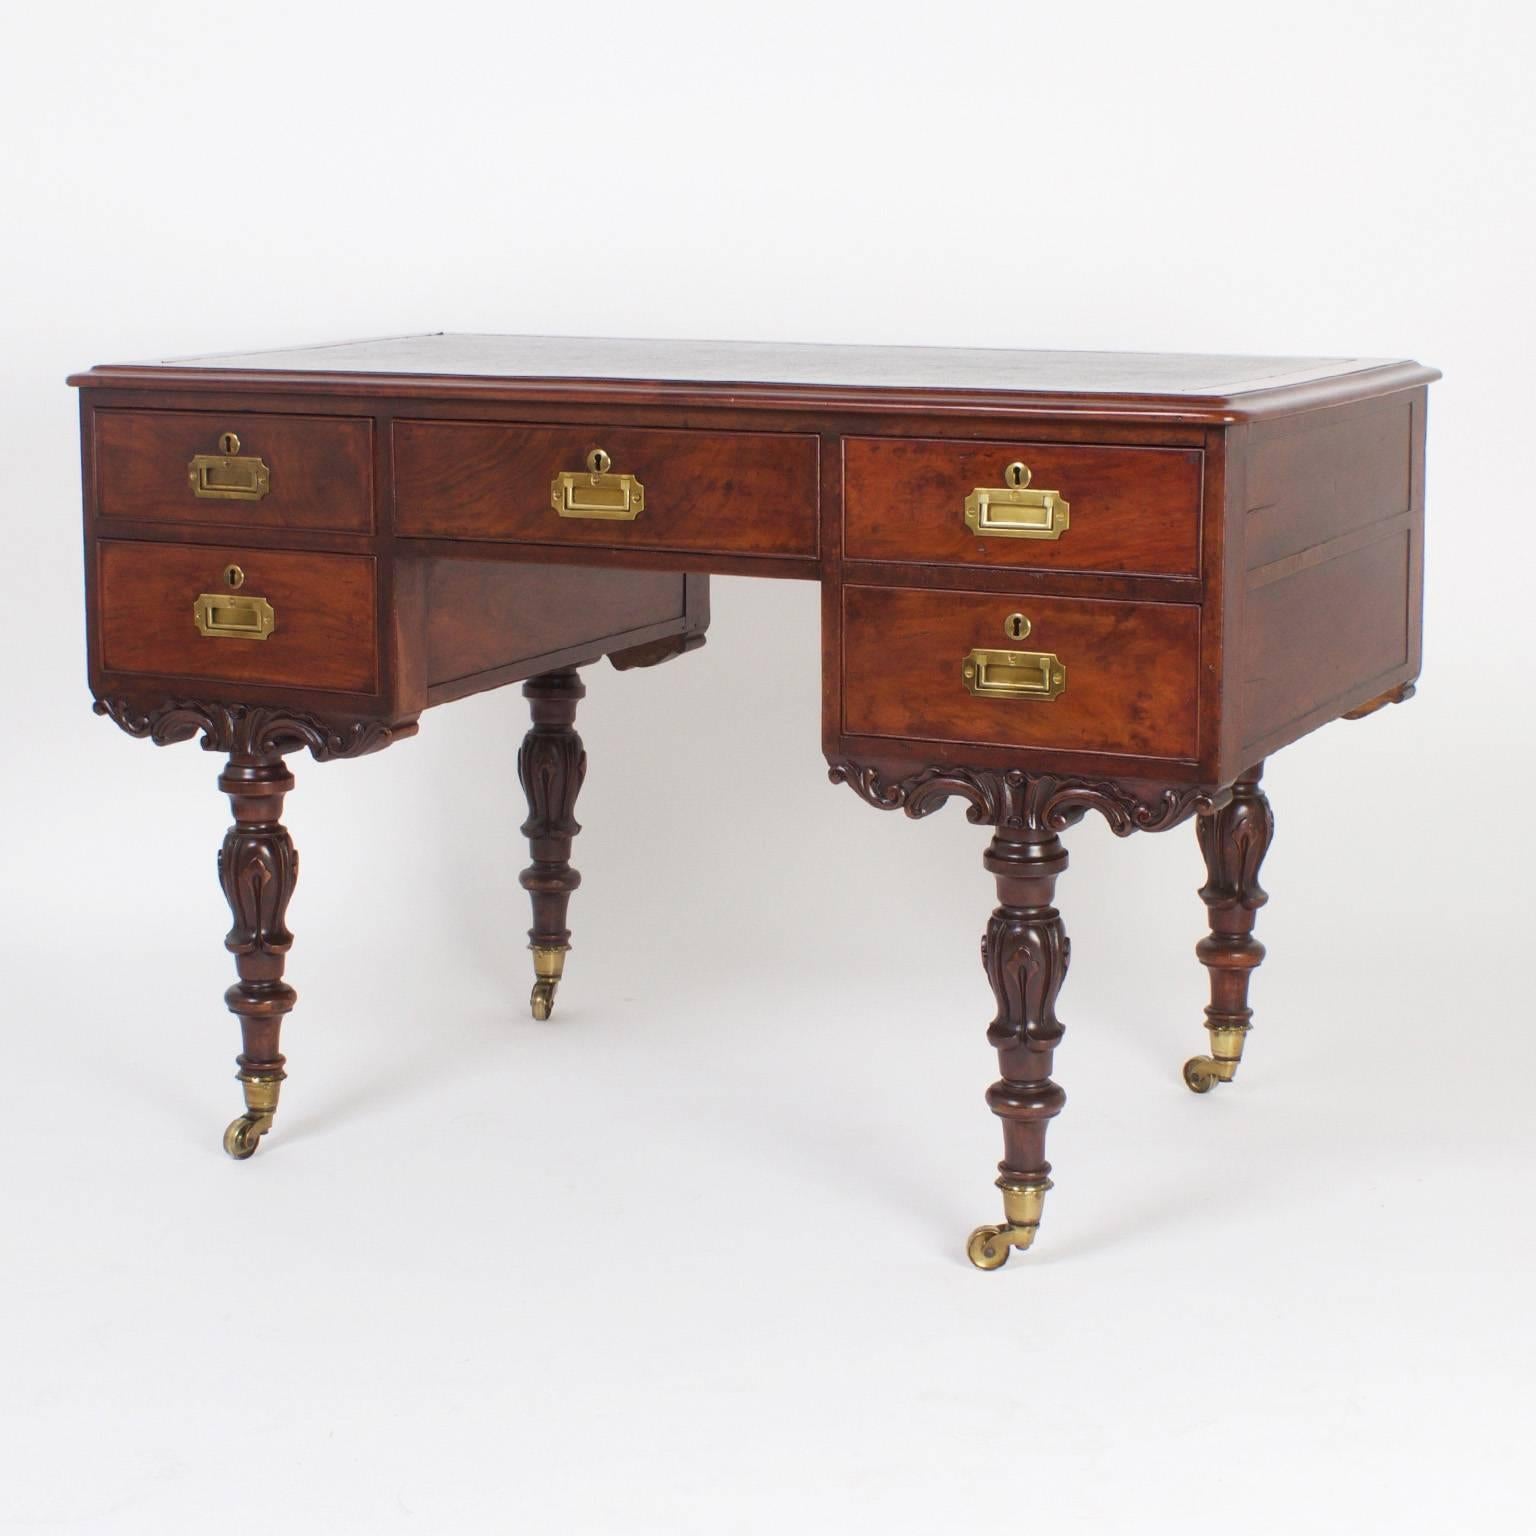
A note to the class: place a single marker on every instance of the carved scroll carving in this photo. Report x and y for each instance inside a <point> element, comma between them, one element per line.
<point>258,869</point>
<point>552,763</point>
<point>251,730</point>
<point>1031,802</point>
<point>1234,841</point>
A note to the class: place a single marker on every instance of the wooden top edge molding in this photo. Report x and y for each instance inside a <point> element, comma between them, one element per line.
<point>1145,386</point>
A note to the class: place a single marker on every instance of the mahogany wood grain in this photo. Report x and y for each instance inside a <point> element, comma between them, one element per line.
<point>320,468</point>
<point>1135,510</point>
<point>750,493</point>
<point>1132,671</point>
<point>325,631</point>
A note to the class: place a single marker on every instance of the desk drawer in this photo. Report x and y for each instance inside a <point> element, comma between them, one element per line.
<point>1134,510</point>
<point>321,611</point>
<point>1128,673</point>
<point>750,493</point>
<point>236,468</point>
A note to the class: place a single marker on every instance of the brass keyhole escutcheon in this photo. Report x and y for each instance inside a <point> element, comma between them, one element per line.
<point>599,462</point>
<point>234,577</point>
<point>229,444</point>
<point>1016,626</point>
<point>1016,476</point>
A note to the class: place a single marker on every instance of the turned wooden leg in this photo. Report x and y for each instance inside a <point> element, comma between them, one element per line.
<point>258,868</point>
<point>1234,841</point>
<point>551,766</point>
<point>1025,953</point>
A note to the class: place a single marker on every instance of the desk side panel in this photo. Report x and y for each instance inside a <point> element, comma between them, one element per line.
<point>1333,532</point>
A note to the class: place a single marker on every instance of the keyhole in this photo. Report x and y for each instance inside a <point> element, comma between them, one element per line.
<point>1017,475</point>
<point>1016,626</point>
<point>229,445</point>
<point>233,577</point>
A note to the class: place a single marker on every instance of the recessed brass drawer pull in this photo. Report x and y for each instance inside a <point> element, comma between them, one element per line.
<point>223,616</point>
<point>1014,674</point>
<point>597,494</point>
<point>1013,511</point>
<point>226,476</point>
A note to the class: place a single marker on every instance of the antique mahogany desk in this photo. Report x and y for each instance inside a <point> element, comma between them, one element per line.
<point>1052,583</point>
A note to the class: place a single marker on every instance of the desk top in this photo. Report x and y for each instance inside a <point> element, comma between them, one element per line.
<point>1194,386</point>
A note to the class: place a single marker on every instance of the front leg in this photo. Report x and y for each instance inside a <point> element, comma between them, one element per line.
<point>1025,952</point>
<point>1234,841</point>
<point>258,868</point>
<point>551,767</point>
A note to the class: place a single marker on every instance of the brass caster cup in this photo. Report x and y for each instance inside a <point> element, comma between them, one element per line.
<point>260,1108</point>
<point>1202,1073</point>
<point>989,1247</point>
<point>548,967</point>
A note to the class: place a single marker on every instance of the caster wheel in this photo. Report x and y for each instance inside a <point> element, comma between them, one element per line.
<point>542,1001</point>
<point>984,1249</point>
<point>1198,1074</point>
<point>243,1137</point>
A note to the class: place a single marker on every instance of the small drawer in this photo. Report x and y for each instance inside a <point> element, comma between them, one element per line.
<point>1072,507</point>
<point>236,468</point>
<point>1077,673</point>
<point>175,610</point>
<point>738,493</point>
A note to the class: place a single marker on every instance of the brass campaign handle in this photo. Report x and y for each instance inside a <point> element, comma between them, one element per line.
<point>1014,674</point>
<point>233,616</point>
<point>226,475</point>
<point>1013,511</point>
<point>597,493</point>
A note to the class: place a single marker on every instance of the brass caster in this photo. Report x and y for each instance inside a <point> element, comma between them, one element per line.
<point>243,1134</point>
<point>1199,1074</point>
<point>985,1248</point>
<point>1202,1073</point>
<point>548,968</point>
<point>989,1247</point>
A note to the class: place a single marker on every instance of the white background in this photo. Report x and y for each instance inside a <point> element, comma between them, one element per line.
<point>688,1258</point>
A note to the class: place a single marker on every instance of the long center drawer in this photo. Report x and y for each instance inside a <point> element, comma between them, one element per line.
<point>740,493</point>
